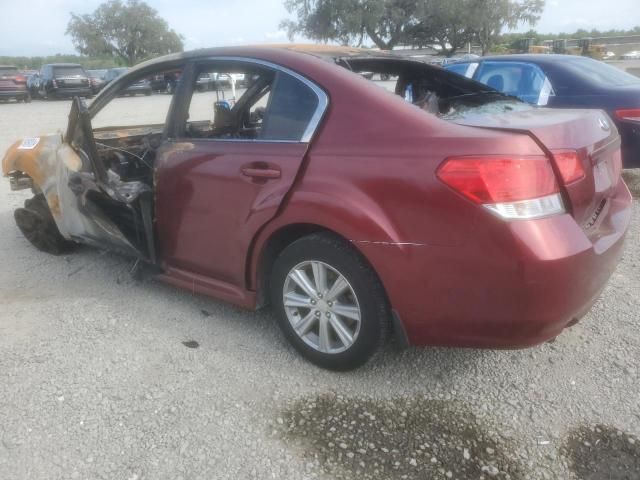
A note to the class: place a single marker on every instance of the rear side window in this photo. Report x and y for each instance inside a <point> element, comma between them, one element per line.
<point>523,80</point>
<point>291,107</point>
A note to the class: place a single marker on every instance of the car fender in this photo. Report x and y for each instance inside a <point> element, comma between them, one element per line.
<point>354,216</point>
<point>43,159</point>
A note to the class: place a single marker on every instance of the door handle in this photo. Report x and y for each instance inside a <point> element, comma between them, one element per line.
<point>256,172</point>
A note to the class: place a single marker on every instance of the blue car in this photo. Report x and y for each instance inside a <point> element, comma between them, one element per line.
<point>566,81</point>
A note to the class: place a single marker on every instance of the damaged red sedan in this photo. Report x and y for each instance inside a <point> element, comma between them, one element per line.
<point>442,212</point>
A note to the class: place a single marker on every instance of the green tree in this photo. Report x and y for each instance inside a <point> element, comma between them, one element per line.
<point>128,31</point>
<point>449,24</point>
<point>349,22</point>
<point>491,17</point>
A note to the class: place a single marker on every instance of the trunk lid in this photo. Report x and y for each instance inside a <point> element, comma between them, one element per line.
<point>589,132</point>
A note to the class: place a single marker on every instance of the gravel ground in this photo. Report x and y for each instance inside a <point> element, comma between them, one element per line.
<point>104,377</point>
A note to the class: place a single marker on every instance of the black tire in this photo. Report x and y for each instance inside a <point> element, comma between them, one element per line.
<point>371,298</point>
<point>38,226</point>
<point>27,99</point>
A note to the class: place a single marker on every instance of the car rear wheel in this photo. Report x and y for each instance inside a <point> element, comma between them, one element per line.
<point>38,226</point>
<point>329,302</point>
<point>27,99</point>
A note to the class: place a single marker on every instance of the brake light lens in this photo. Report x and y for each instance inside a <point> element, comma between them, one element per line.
<point>20,79</point>
<point>511,187</point>
<point>632,114</point>
<point>569,163</point>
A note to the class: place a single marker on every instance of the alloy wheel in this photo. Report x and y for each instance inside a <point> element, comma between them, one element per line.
<point>321,307</point>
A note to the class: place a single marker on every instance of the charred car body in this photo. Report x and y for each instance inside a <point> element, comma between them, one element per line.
<point>448,212</point>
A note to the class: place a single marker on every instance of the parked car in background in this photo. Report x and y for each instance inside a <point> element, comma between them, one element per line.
<point>62,80</point>
<point>448,212</point>
<point>28,73</point>
<point>96,78</point>
<point>33,84</point>
<point>164,82</point>
<point>634,55</point>
<point>459,58</point>
<point>13,84</point>
<point>566,81</point>
<point>142,86</point>
<point>206,82</point>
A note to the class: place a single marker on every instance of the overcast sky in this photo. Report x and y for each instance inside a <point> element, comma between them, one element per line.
<point>36,27</point>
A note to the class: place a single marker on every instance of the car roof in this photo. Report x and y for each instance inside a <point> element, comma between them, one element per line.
<point>330,51</point>
<point>326,52</point>
<point>8,66</point>
<point>63,65</point>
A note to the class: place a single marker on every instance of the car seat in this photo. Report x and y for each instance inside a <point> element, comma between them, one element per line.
<point>496,82</point>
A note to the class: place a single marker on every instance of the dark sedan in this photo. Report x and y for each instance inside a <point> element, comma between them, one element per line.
<point>96,78</point>
<point>566,81</point>
<point>61,80</point>
<point>141,86</point>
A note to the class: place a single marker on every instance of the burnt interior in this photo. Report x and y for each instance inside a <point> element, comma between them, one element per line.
<point>241,119</point>
<point>430,87</point>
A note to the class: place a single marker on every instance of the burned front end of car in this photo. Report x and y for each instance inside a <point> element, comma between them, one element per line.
<point>85,190</point>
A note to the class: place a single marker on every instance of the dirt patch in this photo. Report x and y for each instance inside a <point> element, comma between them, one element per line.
<point>402,438</point>
<point>603,452</point>
<point>631,177</point>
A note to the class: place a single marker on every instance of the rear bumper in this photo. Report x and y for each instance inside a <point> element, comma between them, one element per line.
<point>14,93</point>
<point>511,285</point>
<point>137,89</point>
<point>71,92</point>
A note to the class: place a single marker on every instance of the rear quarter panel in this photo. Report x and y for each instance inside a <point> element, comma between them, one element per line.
<point>371,177</point>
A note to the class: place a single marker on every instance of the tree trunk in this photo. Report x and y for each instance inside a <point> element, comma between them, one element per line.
<point>380,43</point>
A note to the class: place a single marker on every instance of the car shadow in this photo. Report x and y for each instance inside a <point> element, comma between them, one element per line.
<point>88,271</point>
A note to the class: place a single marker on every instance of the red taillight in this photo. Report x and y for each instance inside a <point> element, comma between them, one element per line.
<point>628,114</point>
<point>497,179</point>
<point>569,164</point>
<point>20,79</point>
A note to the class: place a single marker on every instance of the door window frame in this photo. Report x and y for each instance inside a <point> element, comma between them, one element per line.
<point>196,68</point>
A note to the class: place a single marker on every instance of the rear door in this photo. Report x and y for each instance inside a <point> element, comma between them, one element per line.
<point>231,165</point>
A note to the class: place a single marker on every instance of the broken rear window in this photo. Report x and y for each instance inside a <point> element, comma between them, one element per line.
<point>433,89</point>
